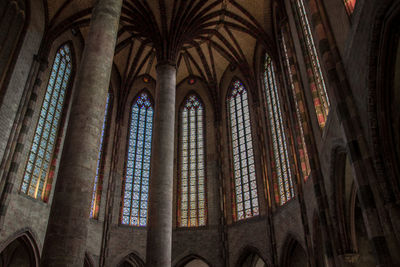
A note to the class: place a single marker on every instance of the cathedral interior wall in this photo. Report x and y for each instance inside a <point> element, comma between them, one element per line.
<point>354,38</point>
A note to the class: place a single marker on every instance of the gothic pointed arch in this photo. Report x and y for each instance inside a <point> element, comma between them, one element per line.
<point>137,167</point>
<point>131,260</point>
<point>20,250</point>
<point>343,191</point>
<point>88,261</point>
<point>193,260</point>
<point>250,257</point>
<point>293,254</point>
<point>244,184</point>
<point>42,158</point>
<point>384,99</point>
<point>192,198</point>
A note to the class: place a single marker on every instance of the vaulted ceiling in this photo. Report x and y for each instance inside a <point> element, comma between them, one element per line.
<point>203,37</point>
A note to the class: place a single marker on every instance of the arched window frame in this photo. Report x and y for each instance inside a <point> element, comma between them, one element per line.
<point>136,220</point>
<point>99,176</point>
<point>283,175</point>
<point>180,220</point>
<point>43,192</point>
<point>292,77</point>
<point>314,70</point>
<point>254,208</point>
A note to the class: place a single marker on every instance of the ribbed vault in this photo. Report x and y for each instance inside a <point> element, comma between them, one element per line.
<point>202,37</point>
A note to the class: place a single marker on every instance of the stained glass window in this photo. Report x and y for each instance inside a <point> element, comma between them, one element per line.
<point>192,200</point>
<point>40,155</point>
<point>244,173</point>
<point>317,82</point>
<point>303,153</point>
<point>350,4</point>
<point>137,173</point>
<point>96,195</point>
<point>279,143</point>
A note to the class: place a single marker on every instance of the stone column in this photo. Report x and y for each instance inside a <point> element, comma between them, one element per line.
<point>159,235</point>
<point>65,241</point>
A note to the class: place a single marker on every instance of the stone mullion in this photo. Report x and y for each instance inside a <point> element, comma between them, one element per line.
<point>134,165</point>
<point>48,138</point>
<point>41,134</point>
<point>240,162</point>
<point>197,167</point>
<point>361,161</point>
<point>274,120</point>
<point>308,61</point>
<point>283,134</point>
<point>21,126</point>
<point>298,95</point>
<point>141,165</point>
<point>247,156</point>
<point>188,169</point>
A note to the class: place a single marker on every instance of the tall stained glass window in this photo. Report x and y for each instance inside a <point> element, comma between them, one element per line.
<point>36,173</point>
<point>98,182</point>
<point>244,173</point>
<point>279,144</point>
<point>137,174</point>
<point>317,82</point>
<point>350,4</point>
<point>298,100</point>
<point>192,200</point>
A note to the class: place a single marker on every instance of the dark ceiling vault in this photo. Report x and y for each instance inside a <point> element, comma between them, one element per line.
<point>202,37</point>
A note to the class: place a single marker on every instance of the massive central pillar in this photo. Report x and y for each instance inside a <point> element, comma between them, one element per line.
<point>65,241</point>
<point>159,235</point>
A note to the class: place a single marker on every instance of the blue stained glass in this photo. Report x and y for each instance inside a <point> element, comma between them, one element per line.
<point>138,160</point>
<point>239,118</point>
<point>192,163</point>
<point>36,186</point>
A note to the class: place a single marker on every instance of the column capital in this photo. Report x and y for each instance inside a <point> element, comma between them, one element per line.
<point>166,62</point>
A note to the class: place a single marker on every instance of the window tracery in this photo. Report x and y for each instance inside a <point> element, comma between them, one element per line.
<point>317,82</point>
<point>35,180</point>
<point>192,197</point>
<point>278,135</point>
<point>97,185</point>
<point>137,172</point>
<point>300,109</point>
<point>244,174</point>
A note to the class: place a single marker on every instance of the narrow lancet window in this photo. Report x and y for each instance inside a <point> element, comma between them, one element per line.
<point>277,129</point>
<point>300,108</point>
<point>98,181</point>
<point>350,4</point>
<point>137,172</point>
<point>244,174</point>
<point>317,82</point>
<point>192,200</point>
<point>35,181</point>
